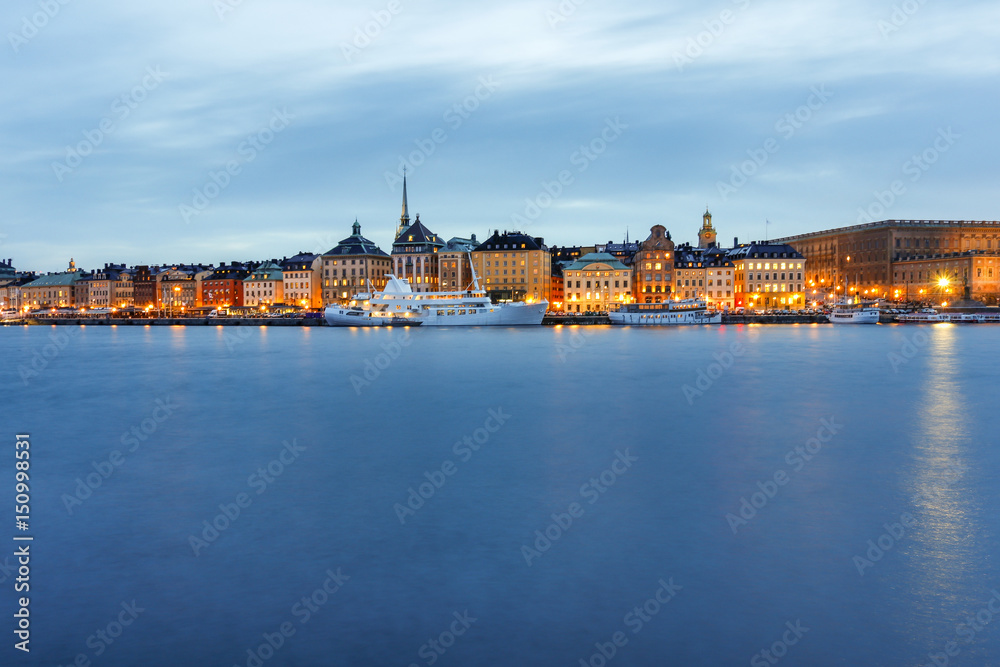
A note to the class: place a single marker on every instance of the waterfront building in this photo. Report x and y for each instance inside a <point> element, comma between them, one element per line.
<point>704,273</point>
<point>653,267</point>
<point>596,282</point>
<point>12,291</point>
<point>514,267</point>
<point>55,290</point>
<point>769,276</point>
<point>144,286</point>
<point>415,257</point>
<point>455,265</point>
<point>224,286</point>
<point>349,267</point>
<point>303,284</point>
<point>265,286</point>
<point>177,287</point>
<point>557,294</point>
<point>890,257</point>
<point>111,287</point>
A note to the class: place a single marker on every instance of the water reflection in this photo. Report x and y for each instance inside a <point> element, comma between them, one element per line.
<point>944,551</point>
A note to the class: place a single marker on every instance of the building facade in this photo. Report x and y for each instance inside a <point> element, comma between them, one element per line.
<point>354,265</point>
<point>653,265</point>
<point>705,273</point>
<point>596,282</point>
<point>878,258</point>
<point>769,276</point>
<point>514,267</point>
<point>265,286</point>
<point>224,286</point>
<point>455,264</point>
<point>303,282</point>
<point>111,287</point>
<point>144,286</point>
<point>55,290</point>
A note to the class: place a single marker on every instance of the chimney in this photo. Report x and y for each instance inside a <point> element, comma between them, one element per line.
<point>736,241</point>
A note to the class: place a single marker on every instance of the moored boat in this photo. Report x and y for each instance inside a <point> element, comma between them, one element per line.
<point>688,311</point>
<point>925,316</point>
<point>398,305</point>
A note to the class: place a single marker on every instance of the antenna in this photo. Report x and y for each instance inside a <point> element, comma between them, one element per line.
<point>766,223</point>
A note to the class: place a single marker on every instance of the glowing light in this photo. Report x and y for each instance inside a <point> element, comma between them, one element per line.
<point>943,282</point>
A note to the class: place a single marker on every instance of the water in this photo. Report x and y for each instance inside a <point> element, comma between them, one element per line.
<point>911,429</point>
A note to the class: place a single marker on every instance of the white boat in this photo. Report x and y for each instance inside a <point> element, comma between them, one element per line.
<point>848,313</point>
<point>925,316</point>
<point>688,311</point>
<point>398,305</point>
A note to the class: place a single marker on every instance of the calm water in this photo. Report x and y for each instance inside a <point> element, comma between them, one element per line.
<point>325,464</point>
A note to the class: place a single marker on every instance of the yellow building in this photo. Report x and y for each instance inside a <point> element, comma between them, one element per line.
<point>597,282</point>
<point>769,277</point>
<point>514,267</point>
<point>265,286</point>
<point>354,265</point>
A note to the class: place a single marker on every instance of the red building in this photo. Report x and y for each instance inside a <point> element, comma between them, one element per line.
<point>224,287</point>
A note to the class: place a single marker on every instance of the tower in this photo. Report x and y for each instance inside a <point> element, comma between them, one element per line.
<point>706,235</point>
<point>404,219</point>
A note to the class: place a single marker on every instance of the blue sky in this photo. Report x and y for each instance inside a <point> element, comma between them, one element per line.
<point>809,115</point>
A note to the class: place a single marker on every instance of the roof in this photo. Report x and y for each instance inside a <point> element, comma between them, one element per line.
<point>596,258</point>
<point>894,224</point>
<point>266,271</point>
<point>56,279</point>
<point>356,244</point>
<point>418,234</point>
<point>512,241</point>
<point>299,262</point>
<point>764,251</point>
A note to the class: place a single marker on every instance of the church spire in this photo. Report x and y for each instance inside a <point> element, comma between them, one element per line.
<point>404,219</point>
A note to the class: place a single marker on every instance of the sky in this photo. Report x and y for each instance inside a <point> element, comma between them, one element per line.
<point>202,131</point>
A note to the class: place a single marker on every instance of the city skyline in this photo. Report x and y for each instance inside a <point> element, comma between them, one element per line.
<point>290,122</point>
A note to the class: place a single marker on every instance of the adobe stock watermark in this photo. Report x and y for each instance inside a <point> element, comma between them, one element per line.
<point>259,481</point>
<point>909,349</point>
<point>592,491</point>
<point>576,341</point>
<point>704,40</point>
<point>796,458</point>
<point>915,168</point>
<point>302,611</point>
<point>104,638</point>
<point>707,376</point>
<point>59,338</point>
<point>224,7</point>
<point>121,108</point>
<point>974,624</point>
<point>247,151</point>
<point>900,16</point>
<point>635,620</point>
<point>435,647</point>
<point>454,117</point>
<point>35,23</point>
<point>786,127</point>
<point>373,367</point>
<point>581,159</point>
<point>464,449</point>
<point>562,11</point>
<point>779,649</point>
<point>365,35</point>
<point>131,440</point>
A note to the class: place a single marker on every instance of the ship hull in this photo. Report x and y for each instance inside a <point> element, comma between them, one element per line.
<point>504,315</point>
